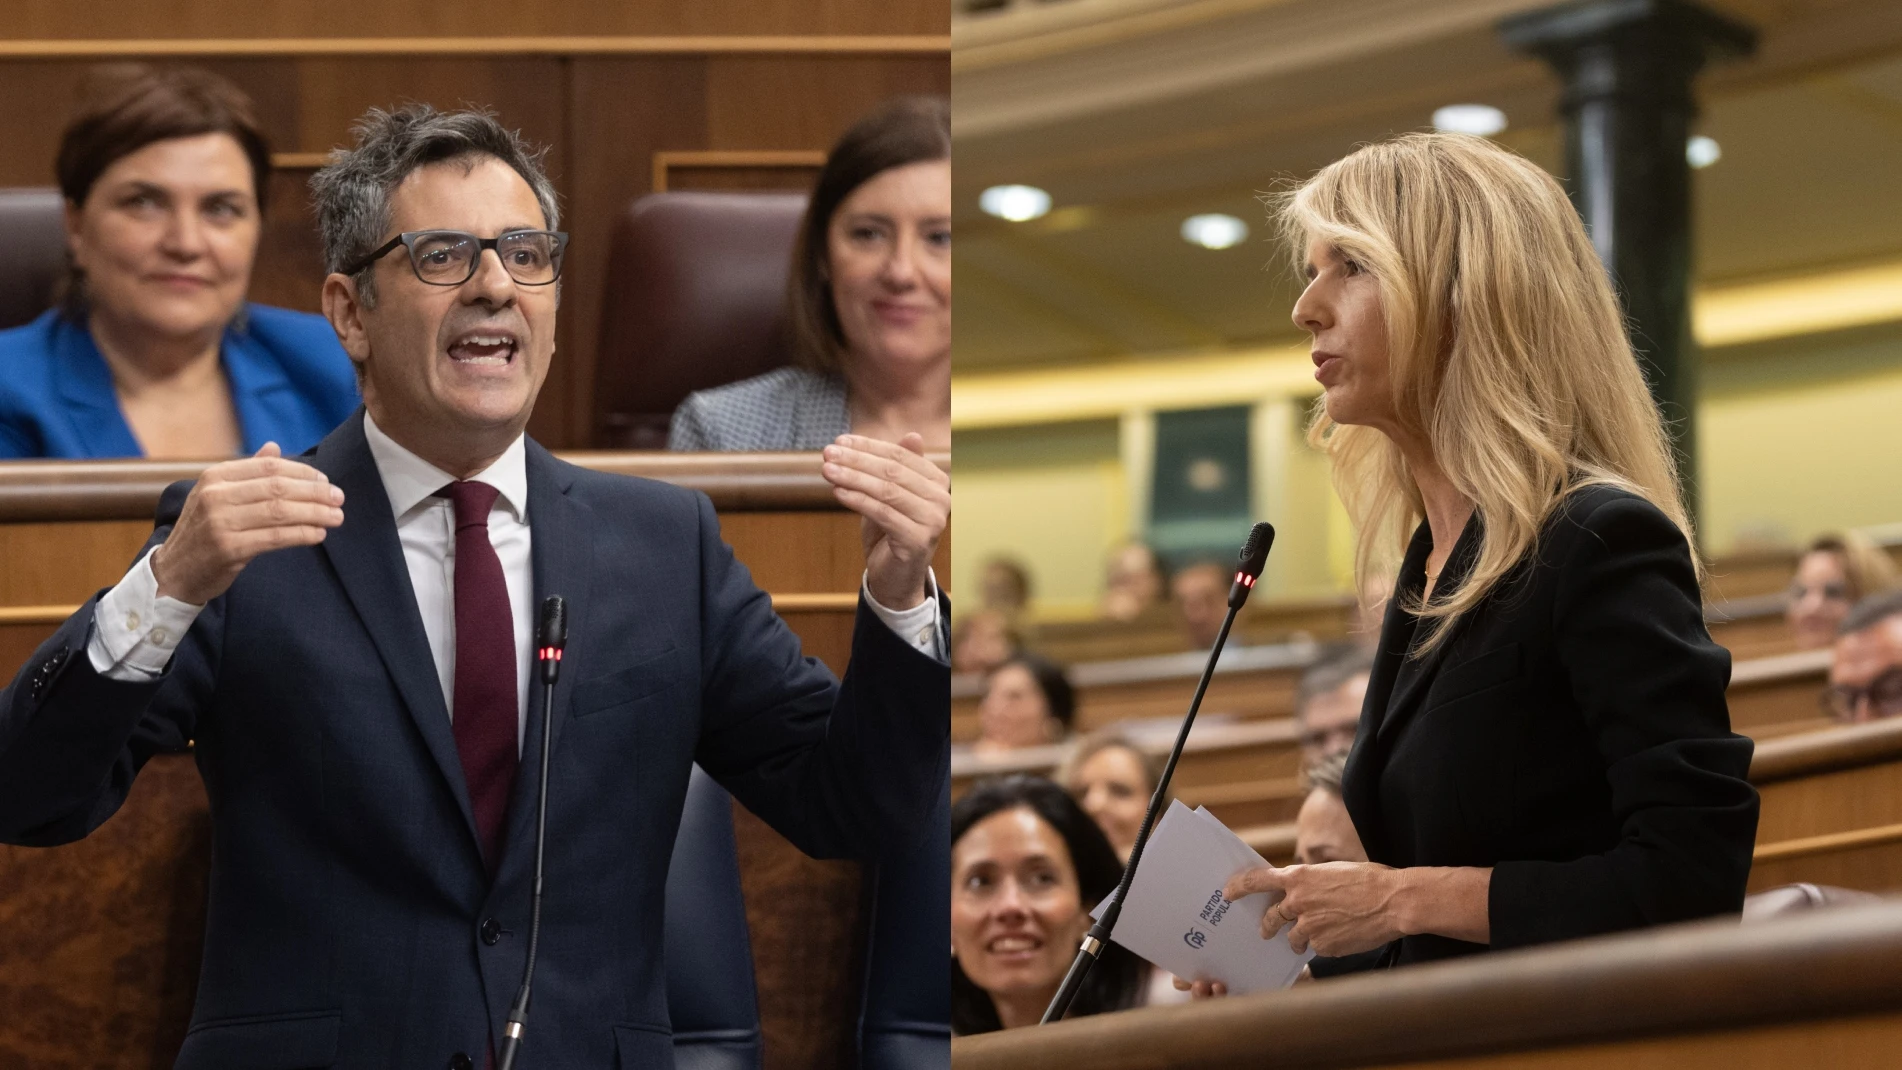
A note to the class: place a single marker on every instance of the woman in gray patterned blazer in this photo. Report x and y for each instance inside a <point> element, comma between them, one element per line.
<point>869,301</point>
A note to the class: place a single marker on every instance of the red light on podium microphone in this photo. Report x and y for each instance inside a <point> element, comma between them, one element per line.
<point>1245,579</point>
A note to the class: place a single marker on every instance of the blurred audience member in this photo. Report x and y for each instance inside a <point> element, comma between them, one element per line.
<point>1327,707</point>
<point>1132,584</point>
<point>1004,586</point>
<point>1112,781</point>
<point>1200,593</point>
<point>1323,831</point>
<point>1865,673</point>
<point>153,351</point>
<point>1027,866</point>
<point>869,301</point>
<point>982,640</point>
<point>1028,701</point>
<point>1834,573</point>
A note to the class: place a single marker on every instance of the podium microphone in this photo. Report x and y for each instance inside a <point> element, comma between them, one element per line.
<point>551,636</point>
<point>1253,557</point>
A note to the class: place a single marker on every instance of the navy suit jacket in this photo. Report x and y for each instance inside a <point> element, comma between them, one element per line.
<point>291,383</point>
<point>348,893</point>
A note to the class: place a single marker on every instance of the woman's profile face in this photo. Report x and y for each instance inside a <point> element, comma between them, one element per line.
<point>1340,308</point>
<point>888,259</point>
<point>1014,712</point>
<point>1113,788</point>
<point>1016,909</point>
<point>167,236</point>
<point>1819,598</point>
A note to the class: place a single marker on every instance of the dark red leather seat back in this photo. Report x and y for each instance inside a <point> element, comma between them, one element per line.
<point>694,298</point>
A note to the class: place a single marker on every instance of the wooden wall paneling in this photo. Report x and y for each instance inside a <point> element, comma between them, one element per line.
<point>761,169</point>
<point>1859,797</point>
<point>100,962</point>
<point>65,563</point>
<point>807,920</point>
<point>806,102</point>
<point>105,19</point>
<point>621,112</point>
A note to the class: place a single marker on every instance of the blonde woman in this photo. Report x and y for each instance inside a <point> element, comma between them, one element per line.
<point>1545,752</point>
<point>1834,573</point>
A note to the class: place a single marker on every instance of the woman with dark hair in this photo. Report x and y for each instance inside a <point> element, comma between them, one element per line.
<point>869,301</point>
<point>153,351</point>
<point>1028,701</point>
<point>1027,866</point>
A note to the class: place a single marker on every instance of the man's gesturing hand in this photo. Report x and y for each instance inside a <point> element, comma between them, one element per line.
<point>906,503</point>
<point>238,510</point>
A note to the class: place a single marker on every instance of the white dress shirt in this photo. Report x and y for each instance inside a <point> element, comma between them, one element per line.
<point>135,630</point>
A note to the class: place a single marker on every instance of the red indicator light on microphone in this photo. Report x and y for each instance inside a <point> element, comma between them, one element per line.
<point>1245,579</point>
<point>549,653</point>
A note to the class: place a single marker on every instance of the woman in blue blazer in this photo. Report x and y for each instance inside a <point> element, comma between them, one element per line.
<point>153,351</point>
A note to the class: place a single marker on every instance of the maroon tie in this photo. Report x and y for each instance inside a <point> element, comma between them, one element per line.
<point>484,714</point>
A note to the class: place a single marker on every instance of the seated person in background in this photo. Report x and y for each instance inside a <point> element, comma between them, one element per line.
<point>1327,707</point>
<point>1834,573</point>
<point>1028,702</point>
<point>1865,671</point>
<point>1323,831</point>
<point>1027,866</point>
<point>153,351</point>
<point>1112,781</point>
<point>982,640</point>
<point>1200,593</point>
<point>869,301</point>
<point>1004,587</point>
<point>1133,583</point>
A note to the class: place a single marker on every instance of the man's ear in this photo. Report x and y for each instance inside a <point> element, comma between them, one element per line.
<point>344,309</point>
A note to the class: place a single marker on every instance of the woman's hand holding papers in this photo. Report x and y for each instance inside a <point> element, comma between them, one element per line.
<point>1343,908</point>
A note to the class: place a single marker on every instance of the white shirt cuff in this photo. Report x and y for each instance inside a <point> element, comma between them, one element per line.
<point>918,625</point>
<point>135,629</point>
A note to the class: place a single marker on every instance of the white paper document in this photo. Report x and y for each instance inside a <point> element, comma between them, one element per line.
<point>1176,916</point>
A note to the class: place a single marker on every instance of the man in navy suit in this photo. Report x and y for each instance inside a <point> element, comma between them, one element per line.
<point>347,638</point>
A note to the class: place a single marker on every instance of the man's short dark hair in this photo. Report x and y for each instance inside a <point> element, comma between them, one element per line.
<point>1330,672</point>
<point>352,192</point>
<point>1872,611</point>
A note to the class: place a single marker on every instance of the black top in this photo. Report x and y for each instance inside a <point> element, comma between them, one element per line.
<point>1570,732</point>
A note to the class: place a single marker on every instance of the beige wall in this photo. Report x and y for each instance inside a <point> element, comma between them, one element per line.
<point>1797,436</point>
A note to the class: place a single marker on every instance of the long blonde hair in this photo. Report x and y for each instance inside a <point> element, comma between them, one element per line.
<point>1507,351</point>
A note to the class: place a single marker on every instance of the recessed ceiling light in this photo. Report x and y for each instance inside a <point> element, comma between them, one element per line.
<point>1702,151</point>
<point>1482,119</point>
<point>1015,203</point>
<point>1214,231</point>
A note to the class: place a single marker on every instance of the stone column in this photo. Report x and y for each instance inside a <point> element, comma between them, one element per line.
<point>1627,66</point>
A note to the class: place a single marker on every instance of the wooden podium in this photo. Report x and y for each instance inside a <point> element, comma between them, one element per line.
<point>104,935</point>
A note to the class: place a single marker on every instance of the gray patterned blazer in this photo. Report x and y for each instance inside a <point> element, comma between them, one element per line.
<point>785,409</point>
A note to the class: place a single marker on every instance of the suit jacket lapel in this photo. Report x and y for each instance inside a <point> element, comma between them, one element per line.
<point>1407,697</point>
<point>369,562</point>
<point>561,550</point>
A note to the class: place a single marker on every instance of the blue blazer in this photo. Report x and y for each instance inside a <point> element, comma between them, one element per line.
<point>348,896</point>
<point>291,382</point>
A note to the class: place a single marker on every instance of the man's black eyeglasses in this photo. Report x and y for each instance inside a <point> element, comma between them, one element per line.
<point>1884,694</point>
<point>449,257</point>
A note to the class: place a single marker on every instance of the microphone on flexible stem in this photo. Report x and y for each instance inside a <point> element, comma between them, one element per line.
<point>1253,557</point>
<point>551,636</point>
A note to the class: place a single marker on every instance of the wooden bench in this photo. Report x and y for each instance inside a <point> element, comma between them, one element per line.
<point>1823,989</point>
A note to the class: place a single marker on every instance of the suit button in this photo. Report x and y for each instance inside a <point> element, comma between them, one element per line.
<point>460,1061</point>
<point>491,932</point>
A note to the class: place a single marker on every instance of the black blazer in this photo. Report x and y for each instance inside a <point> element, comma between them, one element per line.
<point>351,920</point>
<point>1570,732</point>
